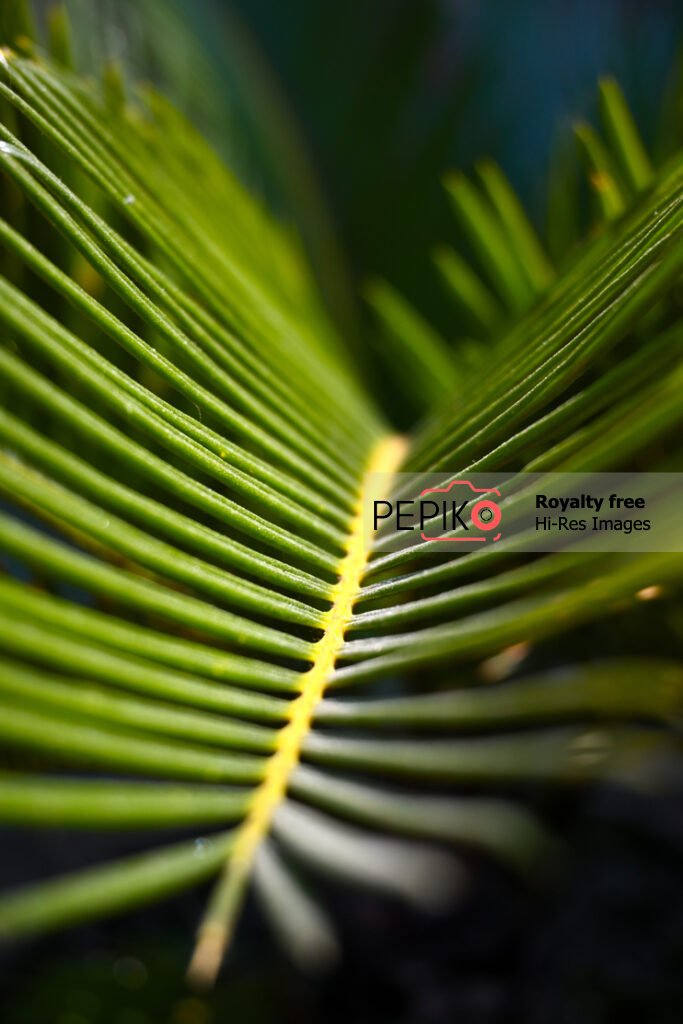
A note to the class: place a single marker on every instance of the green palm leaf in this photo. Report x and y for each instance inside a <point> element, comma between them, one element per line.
<point>186,445</point>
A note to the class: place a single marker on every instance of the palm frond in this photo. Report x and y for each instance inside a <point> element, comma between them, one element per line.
<point>186,452</point>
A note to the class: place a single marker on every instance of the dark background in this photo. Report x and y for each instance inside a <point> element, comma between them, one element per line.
<point>344,115</point>
<point>389,94</point>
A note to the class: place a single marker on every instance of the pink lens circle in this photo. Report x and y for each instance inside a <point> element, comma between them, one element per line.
<point>491,516</point>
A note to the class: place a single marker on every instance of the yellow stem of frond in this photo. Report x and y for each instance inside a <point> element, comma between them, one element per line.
<point>214,935</point>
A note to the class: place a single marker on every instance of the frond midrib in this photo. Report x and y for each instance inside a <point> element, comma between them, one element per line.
<point>214,934</point>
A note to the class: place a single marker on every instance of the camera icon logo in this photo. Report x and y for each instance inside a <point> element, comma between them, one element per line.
<point>484,513</point>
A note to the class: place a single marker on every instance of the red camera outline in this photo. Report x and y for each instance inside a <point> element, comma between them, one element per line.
<point>488,504</point>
